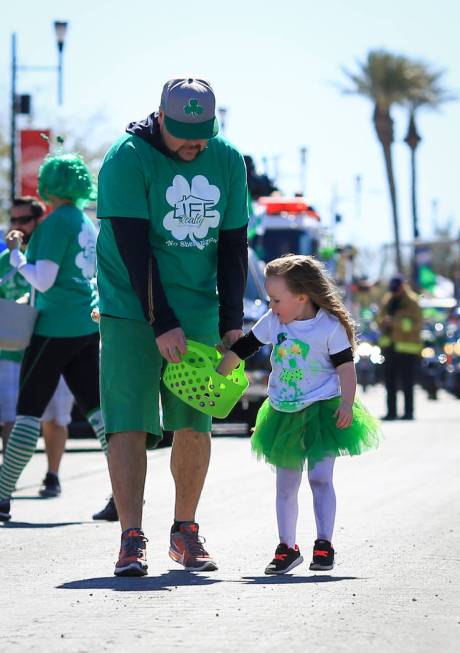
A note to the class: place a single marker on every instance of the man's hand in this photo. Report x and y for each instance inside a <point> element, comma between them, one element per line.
<point>14,239</point>
<point>172,344</point>
<point>95,315</point>
<point>228,339</point>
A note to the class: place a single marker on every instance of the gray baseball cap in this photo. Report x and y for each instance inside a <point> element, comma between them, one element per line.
<point>190,108</point>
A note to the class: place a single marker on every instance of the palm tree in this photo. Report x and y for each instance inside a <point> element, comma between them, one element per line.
<point>425,90</point>
<point>383,79</point>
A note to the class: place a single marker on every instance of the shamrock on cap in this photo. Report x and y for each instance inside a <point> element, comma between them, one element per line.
<point>193,108</point>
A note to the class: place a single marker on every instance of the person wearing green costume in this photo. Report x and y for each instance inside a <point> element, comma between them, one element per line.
<point>60,265</point>
<point>26,213</point>
<point>311,415</point>
<point>172,264</point>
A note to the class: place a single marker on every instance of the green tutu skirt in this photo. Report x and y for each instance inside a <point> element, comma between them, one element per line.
<point>293,440</point>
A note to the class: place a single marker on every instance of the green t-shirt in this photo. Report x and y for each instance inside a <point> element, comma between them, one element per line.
<point>187,204</point>
<point>13,289</point>
<point>68,238</point>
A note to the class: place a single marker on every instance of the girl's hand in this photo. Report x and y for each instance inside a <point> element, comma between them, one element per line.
<point>228,363</point>
<point>344,414</point>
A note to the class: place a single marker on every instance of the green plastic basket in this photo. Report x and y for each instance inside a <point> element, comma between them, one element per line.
<point>196,382</point>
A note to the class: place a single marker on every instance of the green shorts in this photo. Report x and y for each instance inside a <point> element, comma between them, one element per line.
<point>131,385</point>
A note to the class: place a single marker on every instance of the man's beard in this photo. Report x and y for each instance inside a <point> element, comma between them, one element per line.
<point>175,155</point>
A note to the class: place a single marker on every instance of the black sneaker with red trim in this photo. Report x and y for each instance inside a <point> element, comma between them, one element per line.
<point>323,556</point>
<point>285,559</point>
<point>132,560</point>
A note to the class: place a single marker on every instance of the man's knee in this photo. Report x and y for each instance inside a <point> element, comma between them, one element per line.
<point>189,436</point>
<point>126,439</point>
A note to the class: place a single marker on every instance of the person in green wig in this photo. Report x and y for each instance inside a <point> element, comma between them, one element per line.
<point>59,264</point>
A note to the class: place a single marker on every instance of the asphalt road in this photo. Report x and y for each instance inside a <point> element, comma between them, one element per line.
<point>395,586</point>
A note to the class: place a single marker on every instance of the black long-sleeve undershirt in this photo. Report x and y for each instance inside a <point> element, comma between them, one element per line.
<point>232,274</point>
<point>132,239</point>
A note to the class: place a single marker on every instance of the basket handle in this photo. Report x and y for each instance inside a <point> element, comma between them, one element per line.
<point>195,350</point>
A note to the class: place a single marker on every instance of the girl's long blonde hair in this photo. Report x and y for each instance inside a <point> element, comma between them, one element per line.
<point>306,275</point>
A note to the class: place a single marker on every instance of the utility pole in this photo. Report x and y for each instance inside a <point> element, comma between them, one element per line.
<point>60,29</point>
<point>303,169</point>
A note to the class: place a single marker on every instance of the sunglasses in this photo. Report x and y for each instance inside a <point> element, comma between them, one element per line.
<point>25,219</point>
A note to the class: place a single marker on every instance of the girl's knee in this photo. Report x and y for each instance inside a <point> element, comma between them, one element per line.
<point>320,481</point>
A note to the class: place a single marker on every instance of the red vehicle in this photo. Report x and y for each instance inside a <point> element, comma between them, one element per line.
<point>283,225</point>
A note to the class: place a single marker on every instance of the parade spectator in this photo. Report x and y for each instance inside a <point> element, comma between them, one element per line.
<point>311,415</point>
<point>400,322</point>
<point>60,265</point>
<point>26,213</point>
<point>172,263</point>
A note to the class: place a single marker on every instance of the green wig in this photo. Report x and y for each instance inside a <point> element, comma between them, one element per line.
<point>66,176</point>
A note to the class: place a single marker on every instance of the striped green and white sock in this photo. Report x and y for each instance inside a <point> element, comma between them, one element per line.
<point>20,449</point>
<point>96,421</point>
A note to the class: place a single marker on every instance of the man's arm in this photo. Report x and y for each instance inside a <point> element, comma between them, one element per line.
<point>232,272</point>
<point>132,239</point>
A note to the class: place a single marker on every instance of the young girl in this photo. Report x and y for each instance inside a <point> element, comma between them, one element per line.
<point>311,415</point>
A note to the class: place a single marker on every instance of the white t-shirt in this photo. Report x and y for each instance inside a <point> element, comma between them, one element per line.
<point>302,371</point>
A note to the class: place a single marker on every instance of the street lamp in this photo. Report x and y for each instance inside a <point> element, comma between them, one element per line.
<point>412,139</point>
<point>60,28</point>
<point>222,111</point>
<point>303,169</point>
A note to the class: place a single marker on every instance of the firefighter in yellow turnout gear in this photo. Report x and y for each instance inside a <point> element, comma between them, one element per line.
<point>400,321</point>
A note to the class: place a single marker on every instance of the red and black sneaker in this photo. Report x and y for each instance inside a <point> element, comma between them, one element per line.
<point>285,559</point>
<point>323,556</point>
<point>187,548</point>
<point>132,560</point>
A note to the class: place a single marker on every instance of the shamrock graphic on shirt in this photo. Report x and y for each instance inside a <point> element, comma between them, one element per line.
<point>86,260</point>
<point>193,211</point>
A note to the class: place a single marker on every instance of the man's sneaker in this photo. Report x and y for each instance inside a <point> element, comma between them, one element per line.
<point>323,556</point>
<point>108,513</point>
<point>5,507</point>
<point>50,486</point>
<point>132,560</point>
<point>186,548</point>
<point>285,559</point>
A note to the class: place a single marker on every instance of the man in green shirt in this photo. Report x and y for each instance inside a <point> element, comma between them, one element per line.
<point>172,264</point>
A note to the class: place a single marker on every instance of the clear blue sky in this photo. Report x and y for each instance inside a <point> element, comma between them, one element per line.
<point>274,66</point>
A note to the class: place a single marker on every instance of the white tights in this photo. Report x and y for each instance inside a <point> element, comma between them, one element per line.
<point>287,508</point>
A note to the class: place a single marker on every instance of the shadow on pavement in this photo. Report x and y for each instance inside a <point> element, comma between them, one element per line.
<point>33,497</point>
<point>168,581</point>
<point>288,579</point>
<point>26,524</point>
